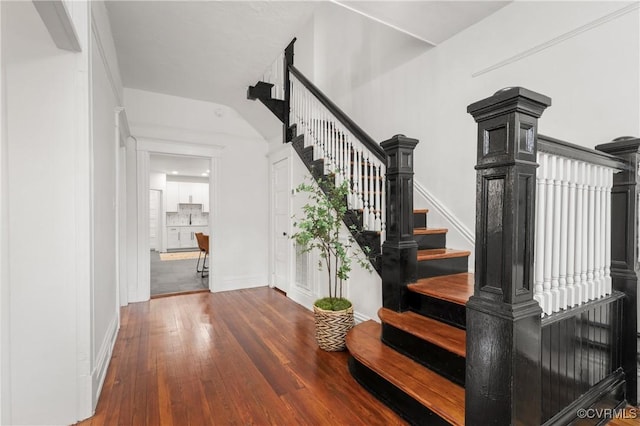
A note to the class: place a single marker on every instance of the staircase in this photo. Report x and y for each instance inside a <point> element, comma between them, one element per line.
<point>414,361</point>
<point>448,348</point>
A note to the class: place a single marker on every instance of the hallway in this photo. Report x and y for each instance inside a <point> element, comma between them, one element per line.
<point>238,357</point>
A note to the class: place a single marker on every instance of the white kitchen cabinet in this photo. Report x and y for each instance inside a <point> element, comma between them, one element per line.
<point>190,193</point>
<point>188,237</point>
<point>173,237</point>
<point>173,196</point>
<point>205,197</point>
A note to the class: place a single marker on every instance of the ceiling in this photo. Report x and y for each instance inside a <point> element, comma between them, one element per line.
<point>214,50</point>
<point>183,165</point>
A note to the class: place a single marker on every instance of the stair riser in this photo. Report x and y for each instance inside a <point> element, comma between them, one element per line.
<point>431,241</point>
<point>419,220</point>
<point>447,312</point>
<point>403,404</point>
<point>440,360</point>
<point>439,267</point>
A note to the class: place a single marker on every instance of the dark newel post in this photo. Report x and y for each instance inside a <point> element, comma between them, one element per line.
<point>288,60</point>
<point>399,251</point>
<point>625,249</point>
<point>503,320</point>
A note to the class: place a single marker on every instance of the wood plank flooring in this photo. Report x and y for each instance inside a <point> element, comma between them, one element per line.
<point>244,357</point>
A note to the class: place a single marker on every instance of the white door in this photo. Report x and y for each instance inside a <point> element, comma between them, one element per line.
<point>154,219</point>
<point>281,214</point>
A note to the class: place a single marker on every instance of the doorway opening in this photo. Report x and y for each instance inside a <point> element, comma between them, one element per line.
<point>178,224</point>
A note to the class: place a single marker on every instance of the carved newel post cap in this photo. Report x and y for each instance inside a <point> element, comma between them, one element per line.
<point>621,145</point>
<point>398,141</point>
<point>510,99</point>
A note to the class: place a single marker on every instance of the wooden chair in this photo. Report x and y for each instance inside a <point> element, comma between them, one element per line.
<point>203,245</point>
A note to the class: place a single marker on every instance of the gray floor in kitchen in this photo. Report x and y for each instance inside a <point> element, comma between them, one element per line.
<point>175,276</point>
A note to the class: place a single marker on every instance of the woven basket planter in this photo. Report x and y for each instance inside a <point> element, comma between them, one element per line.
<point>332,328</point>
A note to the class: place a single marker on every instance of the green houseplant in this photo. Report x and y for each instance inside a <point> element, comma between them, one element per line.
<point>319,229</point>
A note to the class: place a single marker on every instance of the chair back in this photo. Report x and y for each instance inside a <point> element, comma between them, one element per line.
<point>203,242</point>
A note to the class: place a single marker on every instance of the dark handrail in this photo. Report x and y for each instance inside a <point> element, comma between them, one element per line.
<point>371,144</point>
<point>565,149</point>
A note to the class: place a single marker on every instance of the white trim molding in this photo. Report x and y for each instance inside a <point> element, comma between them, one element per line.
<point>103,358</point>
<point>56,18</point>
<point>559,39</point>
<point>144,146</point>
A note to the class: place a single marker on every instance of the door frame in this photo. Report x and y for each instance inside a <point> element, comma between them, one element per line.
<point>282,154</point>
<point>141,290</point>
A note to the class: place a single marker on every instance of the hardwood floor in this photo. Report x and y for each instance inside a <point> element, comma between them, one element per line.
<point>241,357</point>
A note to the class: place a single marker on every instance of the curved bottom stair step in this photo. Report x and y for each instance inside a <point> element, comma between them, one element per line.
<point>415,392</point>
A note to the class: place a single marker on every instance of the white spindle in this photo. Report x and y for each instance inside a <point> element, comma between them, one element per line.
<point>548,233</point>
<point>571,234</point>
<point>555,236</point>
<point>539,253</point>
<point>598,253</point>
<point>344,155</point>
<point>607,235</point>
<point>562,231</point>
<point>591,228</point>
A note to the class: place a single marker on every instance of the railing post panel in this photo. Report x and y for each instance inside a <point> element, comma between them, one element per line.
<point>399,251</point>
<point>625,250</point>
<point>503,320</point>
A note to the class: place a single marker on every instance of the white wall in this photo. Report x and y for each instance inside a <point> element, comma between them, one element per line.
<point>106,95</point>
<point>59,284</point>
<point>5,317</point>
<point>241,205</point>
<point>47,204</point>
<point>584,55</point>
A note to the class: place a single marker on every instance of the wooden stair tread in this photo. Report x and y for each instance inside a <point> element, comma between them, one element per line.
<point>420,211</point>
<point>446,336</point>
<point>429,231</point>
<point>443,397</point>
<point>441,253</point>
<point>456,288</point>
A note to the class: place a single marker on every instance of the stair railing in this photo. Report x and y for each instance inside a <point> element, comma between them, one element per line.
<point>274,74</point>
<point>573,224</point>
<point>556,270</point>
<point>349,153</point>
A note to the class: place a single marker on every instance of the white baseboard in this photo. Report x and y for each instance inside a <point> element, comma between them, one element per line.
<point>239,282</point>
<point>103,357</point>
<point>360,317</point>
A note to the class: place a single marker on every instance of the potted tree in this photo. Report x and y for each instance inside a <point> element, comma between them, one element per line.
<point>319,228</point>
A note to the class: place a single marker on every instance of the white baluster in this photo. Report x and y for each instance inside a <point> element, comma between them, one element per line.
<point>357,180</point>
<point>607,236</point>
<point>598,261</point>
<point>591,228</point>
<point>584,178</point>
<point>556,166</point>
<point>378,203</point>
<point>579,246</point>
<point>548,234</point>
<point>365,189</point>
<point>539,252</point>
<point>564,211</point>
<point>571,234</point>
